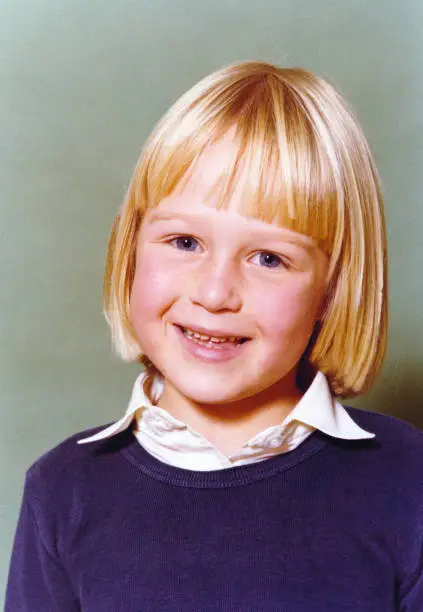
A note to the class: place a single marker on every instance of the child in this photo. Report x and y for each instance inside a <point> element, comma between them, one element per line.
<point>247,273</point>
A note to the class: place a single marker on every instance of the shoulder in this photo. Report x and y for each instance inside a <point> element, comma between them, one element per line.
<point>60,486</point>
<point>69,463</point>
<point>387,427</point>
<point>397,441</point>
<point>65,451</point>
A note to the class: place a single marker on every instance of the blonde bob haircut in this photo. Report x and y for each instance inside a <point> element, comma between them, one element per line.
<point>301,161</point>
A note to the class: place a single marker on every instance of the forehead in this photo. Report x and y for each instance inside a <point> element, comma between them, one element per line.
<point>200,198</point>
<point>204,182</point>
<point>236,174</point>
<point>186,216</point>
<point>203,194</point>
<point>186,212</point>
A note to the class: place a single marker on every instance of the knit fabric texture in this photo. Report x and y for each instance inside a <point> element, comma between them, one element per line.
<point>332,526</point>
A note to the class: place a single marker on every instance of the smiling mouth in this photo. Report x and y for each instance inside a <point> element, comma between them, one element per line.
<point>212,341</point>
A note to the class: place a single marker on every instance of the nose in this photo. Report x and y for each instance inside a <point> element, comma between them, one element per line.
<point>217,286</point>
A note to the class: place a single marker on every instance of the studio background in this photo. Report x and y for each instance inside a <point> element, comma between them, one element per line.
<point>83,83</point>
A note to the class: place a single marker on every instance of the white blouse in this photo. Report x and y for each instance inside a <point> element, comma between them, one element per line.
<point>176,443</point>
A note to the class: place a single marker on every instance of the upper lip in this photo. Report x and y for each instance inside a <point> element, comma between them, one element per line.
<point>217,333</point>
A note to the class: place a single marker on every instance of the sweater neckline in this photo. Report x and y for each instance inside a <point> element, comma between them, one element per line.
<point>223,478</point>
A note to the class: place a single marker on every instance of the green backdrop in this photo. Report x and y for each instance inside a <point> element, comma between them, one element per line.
<point>83,82</point>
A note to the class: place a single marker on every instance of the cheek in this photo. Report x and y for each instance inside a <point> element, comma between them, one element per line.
<point>291,311</point>
<point>153,290</point>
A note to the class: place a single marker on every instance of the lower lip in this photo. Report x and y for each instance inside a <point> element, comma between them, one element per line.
<point>210,354</point>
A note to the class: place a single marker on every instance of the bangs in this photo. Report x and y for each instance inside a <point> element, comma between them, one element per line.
<point>281,170</point>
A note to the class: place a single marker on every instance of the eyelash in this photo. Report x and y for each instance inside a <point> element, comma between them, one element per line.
<point>281,263</point>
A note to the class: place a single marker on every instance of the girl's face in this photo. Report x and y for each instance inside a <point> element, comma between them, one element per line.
<point>224,276</point>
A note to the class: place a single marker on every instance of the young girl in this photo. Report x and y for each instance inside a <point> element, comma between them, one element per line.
<point>247,273</point>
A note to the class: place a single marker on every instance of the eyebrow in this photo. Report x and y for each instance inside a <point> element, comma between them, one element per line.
<point>156,215</point>
<point>301,241</point>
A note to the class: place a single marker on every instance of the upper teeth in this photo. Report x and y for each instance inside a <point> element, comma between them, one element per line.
<point>206,338</point>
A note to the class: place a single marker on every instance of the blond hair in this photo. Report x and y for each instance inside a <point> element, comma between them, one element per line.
<point>302,161</point>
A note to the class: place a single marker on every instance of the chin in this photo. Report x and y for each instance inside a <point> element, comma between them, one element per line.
<point>209,393</point>
<point>211,397</point>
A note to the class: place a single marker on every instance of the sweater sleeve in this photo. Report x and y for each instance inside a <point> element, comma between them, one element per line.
<point>37,580</point>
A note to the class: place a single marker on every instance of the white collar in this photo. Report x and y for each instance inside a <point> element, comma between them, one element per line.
<point>317,409</point>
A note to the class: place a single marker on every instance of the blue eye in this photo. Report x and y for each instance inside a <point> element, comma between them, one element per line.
<point>185,243</point>
<point>270,260</point>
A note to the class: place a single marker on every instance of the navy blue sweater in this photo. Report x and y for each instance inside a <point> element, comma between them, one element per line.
<point>333,526</point>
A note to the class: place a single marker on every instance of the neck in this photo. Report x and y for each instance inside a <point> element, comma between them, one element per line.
<point>229,425</point>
